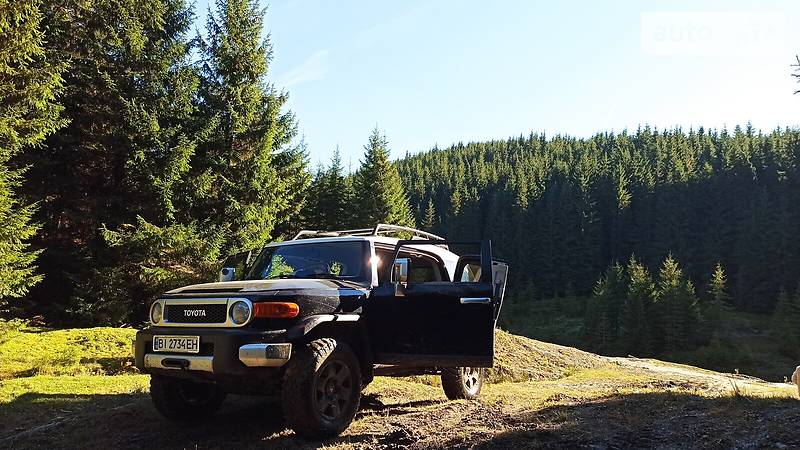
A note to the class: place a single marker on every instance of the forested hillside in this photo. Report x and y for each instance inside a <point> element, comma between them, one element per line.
<point>561,210</point>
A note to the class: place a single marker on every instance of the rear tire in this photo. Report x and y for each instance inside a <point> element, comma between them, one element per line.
<point>321,389</point>
<point>462,382</point>
<point>179,399</point>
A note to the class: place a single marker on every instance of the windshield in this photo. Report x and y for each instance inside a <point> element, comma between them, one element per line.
<point>329,260</point>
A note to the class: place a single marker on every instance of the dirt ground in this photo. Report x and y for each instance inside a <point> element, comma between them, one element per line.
<point>621,403</point>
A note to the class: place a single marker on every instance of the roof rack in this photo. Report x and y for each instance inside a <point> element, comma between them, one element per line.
<point>380,229</point>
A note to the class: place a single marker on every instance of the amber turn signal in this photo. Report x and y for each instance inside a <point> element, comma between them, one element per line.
<point>276,310</point>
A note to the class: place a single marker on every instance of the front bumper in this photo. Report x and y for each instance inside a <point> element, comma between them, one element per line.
<point>224,352</point>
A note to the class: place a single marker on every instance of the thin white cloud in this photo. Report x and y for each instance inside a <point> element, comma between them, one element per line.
<point>314,68</point>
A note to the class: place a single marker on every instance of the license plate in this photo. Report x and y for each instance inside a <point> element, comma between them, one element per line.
<point>176,344</point>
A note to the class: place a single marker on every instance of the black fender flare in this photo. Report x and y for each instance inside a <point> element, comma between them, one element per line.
<point>307,325</point>
<point>350,327</point>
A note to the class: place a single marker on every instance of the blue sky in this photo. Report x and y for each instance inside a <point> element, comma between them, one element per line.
<point>437,72</point>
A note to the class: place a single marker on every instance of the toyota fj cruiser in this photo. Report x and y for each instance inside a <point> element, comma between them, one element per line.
<point>317,317</point>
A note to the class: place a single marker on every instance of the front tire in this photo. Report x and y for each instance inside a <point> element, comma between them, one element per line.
<point>462,382</point>
<point>179,399</point>
<point>321,389</point>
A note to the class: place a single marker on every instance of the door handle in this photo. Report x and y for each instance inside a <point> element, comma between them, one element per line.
<point>475,300</point>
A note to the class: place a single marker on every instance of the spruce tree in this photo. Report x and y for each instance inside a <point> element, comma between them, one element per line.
<point>677,307</point>
<point>712,309</point>
<point>246,173</point>
<point>379,193</point>
<point>638,311</point>
<point>602,323</point>
<point>330,198</point>
<point>29,84</point>
<point>717,287</point>
<point>314,213</point>
<point>429,220</point>
<point>123,164</point>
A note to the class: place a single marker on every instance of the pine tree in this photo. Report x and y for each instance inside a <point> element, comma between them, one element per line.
<point>29,84</point>
<point>314,214</point>
<point>241,166</point>
<point>429,220</point>
<point>330,198</point>
<point>638,311</point>
<point>677,307</point>
<point>602,323</point>
<point>128,93</point>
<point>379,193</point>
<point>717,288</point>
<point>712,309</point>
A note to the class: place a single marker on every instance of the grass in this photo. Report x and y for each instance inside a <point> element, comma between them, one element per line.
<point>27,351</point>
<point>47,374</point>
<point>56,393</point>
<point>69,388</point>
<point>745,343</point>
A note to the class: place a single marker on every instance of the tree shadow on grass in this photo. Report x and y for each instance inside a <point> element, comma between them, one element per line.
<point>36,420</point>
<point>657,420</point>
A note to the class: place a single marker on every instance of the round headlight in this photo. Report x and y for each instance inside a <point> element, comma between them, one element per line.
<point>156,312</point>
<point>240,312</point>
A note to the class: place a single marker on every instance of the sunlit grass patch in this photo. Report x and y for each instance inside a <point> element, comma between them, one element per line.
<point>41,387</point>
<point>27,351</point>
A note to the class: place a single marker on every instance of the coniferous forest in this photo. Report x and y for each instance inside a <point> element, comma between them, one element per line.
<point>713,214</point>
<point>137,155</point>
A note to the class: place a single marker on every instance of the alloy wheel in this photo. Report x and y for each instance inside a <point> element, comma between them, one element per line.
<point>333,390</point>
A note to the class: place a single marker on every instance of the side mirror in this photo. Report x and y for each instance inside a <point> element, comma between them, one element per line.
<point>400,270</point>
<point>227,274</point>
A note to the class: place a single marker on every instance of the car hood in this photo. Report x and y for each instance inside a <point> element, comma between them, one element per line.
<point>270,285</point>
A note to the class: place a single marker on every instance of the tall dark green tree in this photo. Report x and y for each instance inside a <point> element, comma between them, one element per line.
<point>177,165</point>
<point>717,286</point>
<point>29,84</point>
<point>379,193</point>
<point>676,303</point>
<point>602,326</point>
<point>246,175</point>
<point>639,323</point>
<point>429,219</point>
<point>330,198</point>
<point>717,299</point>
<point>128,92</point>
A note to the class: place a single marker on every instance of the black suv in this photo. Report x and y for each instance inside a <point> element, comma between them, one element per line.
<point>317,317</point>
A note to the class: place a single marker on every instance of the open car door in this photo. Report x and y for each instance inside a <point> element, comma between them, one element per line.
<point>438,323</point>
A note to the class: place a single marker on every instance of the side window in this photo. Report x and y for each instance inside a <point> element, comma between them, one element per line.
<point>421,269</point>
<point>470,274</point>
<point>424,269</point>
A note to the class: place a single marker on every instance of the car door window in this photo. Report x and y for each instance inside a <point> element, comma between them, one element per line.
<point>422,268</point>
<point>470,274</point>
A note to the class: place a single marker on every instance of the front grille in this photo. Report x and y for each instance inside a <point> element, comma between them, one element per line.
<point>215,313</point>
